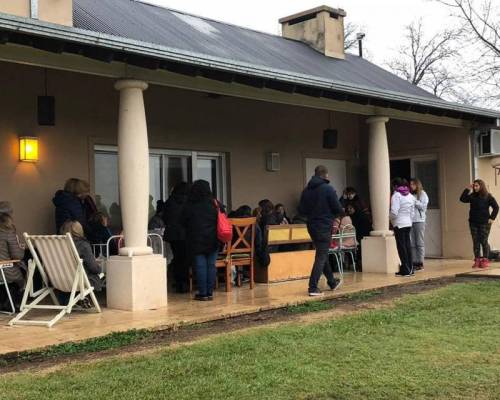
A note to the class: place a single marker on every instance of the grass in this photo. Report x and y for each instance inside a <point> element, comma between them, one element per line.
<point>438,345</point>
<point>311,306</point>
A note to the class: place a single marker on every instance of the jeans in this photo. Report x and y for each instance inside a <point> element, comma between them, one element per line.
<point>417,242</point>
<point>321,261</point>
<point>480,234</point>
<point>404,249</point>
<point>205,273</point>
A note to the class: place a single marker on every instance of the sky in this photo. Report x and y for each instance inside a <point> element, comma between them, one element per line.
<point>383,20</point>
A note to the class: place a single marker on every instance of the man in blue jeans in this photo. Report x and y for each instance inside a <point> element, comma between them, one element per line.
<point>320,204</point>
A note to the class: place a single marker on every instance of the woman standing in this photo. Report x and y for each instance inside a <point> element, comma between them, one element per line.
<point>199,218</point>
<point>480,219</point>
<point>402,211</point>
<point>418,227</point>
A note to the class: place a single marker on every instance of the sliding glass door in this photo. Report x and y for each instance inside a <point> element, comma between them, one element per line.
<point>167,168</point>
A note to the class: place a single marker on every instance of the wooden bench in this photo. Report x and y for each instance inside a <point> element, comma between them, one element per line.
<point>287,265</point>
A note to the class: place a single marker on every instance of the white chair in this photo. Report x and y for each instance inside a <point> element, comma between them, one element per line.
<point>61,268</point>
<point>3,282</point>
<point>346,244</point>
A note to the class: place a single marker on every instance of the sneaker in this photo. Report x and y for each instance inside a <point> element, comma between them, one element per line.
<point>485,263</point>
<point>315,293</point>
<point>477,263</point>
<point>199,297</point>
<point>337,283</point>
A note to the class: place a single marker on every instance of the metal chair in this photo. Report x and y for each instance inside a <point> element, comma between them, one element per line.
<point>346,243</point>
<point>4,265</point>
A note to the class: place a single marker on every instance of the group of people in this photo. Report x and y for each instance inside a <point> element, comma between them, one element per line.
<point>189,222</point>
<point>320,204</point>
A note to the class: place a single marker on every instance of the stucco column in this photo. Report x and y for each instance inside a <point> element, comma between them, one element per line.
<point>136,279</point>
<point>379,249</point>
<point>379,175</point>
<point>133,167</point>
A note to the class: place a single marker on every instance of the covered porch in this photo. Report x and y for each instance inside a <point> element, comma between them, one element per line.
<point>182,310</point>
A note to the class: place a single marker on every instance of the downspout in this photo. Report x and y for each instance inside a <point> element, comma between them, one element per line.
<point>34,9</point>
<point>474,138</point>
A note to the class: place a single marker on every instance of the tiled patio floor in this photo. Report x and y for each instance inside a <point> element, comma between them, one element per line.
<point>182,310</point>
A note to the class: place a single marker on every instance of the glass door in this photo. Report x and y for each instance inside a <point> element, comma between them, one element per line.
<point>176,169</point>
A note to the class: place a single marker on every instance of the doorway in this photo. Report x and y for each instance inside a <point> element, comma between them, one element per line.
<point>425,168</point>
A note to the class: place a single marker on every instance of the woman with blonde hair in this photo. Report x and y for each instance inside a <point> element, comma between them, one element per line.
<point>418,226</point>
<point>74,203</point>
<point>92,267</point>
<point>480,219</point>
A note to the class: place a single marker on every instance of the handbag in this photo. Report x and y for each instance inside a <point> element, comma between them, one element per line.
<point>224,226</point>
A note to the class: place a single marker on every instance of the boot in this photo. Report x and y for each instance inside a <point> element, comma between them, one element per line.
<point>477,263</point>
<point>485,263</point>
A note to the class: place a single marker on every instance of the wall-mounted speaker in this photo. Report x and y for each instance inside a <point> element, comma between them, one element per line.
<point>46,110</point>
<point>330,139</point>
<point>273,162</point>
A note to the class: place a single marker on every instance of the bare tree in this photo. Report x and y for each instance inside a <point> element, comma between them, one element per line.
<point>422,60</point>
<point>350,32</point>
<point>480,21</point>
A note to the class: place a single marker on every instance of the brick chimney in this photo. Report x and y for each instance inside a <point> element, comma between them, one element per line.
<point>55,11</point>
<point>322,28</point>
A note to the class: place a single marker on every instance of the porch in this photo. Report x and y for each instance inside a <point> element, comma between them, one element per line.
<point>181,310</point>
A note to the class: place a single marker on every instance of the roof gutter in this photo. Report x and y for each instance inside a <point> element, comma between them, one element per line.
<point>76,35</point>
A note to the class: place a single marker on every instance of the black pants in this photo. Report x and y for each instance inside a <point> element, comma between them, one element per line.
<point>480,234</point>
<point>321,261</point>
<point>403,241</point>
<point>181,264</point>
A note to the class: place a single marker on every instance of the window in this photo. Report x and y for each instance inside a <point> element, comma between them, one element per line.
<point>167,168</point>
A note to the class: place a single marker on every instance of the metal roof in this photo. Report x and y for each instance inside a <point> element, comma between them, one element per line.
<point>119,29</point>
<point>154,24</point>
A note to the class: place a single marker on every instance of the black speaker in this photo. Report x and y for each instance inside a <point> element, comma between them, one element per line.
<point>46,110</point>
<point>330,138</point>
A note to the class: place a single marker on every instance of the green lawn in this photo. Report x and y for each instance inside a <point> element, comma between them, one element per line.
<point>440,345</point>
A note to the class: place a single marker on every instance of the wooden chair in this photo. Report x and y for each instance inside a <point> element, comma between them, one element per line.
<point>240,251</point>
<point>61,268</point>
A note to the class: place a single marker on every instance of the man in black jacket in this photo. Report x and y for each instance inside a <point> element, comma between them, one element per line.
<point>320,204</point>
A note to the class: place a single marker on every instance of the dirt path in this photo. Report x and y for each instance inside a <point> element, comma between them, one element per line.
<point>158,341</point>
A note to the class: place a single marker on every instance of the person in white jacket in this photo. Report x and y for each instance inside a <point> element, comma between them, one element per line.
<point>418,227</point>
<point>401,214</point>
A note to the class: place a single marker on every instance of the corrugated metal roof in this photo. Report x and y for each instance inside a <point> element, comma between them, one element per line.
<point>171,28</point>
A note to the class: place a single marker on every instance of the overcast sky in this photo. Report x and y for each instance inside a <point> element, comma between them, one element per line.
<point>384,20</point>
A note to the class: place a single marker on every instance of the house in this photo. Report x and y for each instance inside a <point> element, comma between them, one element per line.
<point>135,98</point>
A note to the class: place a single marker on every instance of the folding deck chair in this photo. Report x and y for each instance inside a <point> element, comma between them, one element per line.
<point>61,268</point>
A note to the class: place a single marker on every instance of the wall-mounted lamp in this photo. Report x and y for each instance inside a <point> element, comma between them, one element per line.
<point>28,149</point>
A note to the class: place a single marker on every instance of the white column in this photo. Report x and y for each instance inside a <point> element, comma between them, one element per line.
<point>136,279</point>
<point>379,175</point>
<point>133,167</point>
<point>379,249</point>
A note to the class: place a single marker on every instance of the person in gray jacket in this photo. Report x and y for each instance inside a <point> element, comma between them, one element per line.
<point>418,226</point>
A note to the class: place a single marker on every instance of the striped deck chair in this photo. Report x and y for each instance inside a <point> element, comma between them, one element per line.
<point>61,268</point>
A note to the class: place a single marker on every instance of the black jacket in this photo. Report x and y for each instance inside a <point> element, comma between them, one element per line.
<point>68,208</point>
<point>480,207</point>
<point>361,221</point>
<point>172,213</point>
<point>320,204</point>
<point>200,223</point>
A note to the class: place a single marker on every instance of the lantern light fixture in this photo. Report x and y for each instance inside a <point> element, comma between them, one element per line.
<point>28,149</point>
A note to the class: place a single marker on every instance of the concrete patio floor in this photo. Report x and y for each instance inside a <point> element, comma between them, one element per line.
<point>183,310</point>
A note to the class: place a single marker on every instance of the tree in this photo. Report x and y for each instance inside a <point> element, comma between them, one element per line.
<point>350,32</point>
<point>480,22</point>
<point>423,61</point>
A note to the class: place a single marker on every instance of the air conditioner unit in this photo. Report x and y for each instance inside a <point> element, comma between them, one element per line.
<point>489,143</point>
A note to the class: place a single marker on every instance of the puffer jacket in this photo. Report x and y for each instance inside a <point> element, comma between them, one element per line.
<point>68,208</point>
<point>320,204</point>
<point>402,208</point>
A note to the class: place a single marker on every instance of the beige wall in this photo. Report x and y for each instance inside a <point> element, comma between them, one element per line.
<point>451,145</point>
<point>55,11</point>
<point>178,119</point>
<point>487,173</point>
<point>86,114</point>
